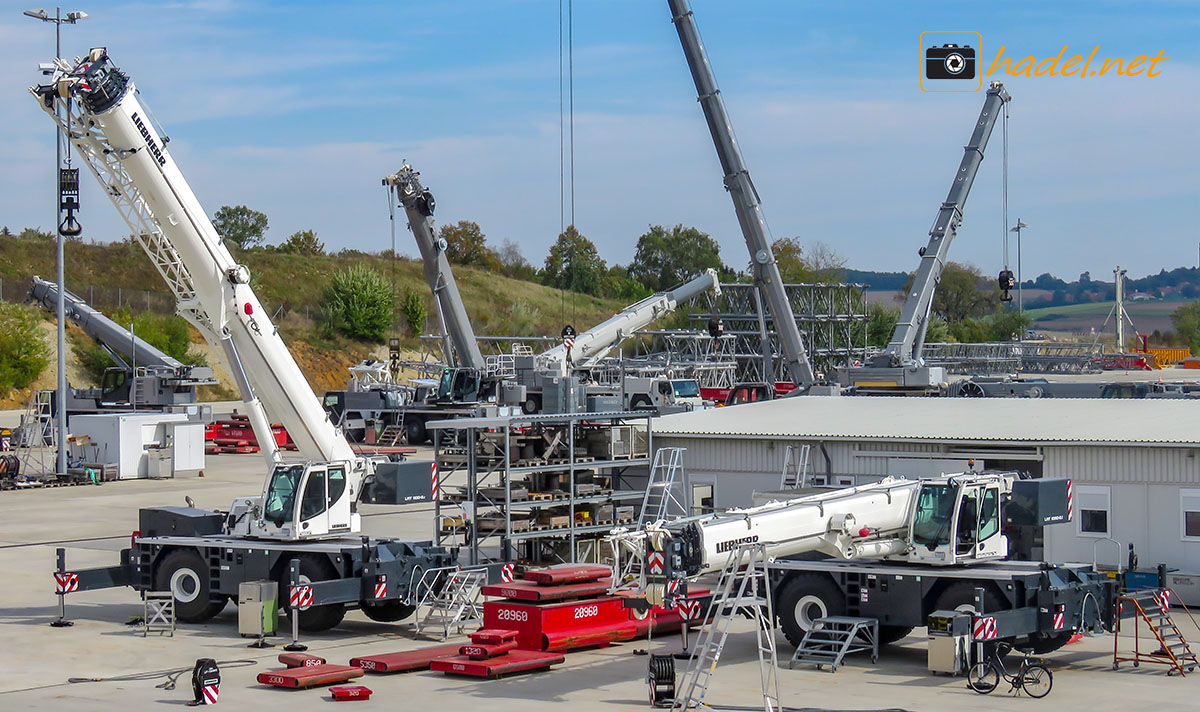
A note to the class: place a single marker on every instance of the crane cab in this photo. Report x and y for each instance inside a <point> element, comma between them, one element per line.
<point>956,520</point>
<point>306,501</point>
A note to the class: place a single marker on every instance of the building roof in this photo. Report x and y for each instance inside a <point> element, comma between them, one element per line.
<point>993,420</point>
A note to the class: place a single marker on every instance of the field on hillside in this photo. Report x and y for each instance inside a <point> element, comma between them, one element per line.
<point>1147,316</point>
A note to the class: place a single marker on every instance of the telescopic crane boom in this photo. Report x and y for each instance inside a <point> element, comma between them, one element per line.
<point>418,206</point>
<point>900,364</point>
<point>745,198</point>
<point>128,154</point>
<point>598,341</point>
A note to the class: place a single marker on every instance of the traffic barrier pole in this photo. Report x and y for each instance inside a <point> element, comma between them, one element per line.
<point>293,611</point>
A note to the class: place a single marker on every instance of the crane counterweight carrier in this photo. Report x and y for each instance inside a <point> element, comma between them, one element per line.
<point>308,510</point>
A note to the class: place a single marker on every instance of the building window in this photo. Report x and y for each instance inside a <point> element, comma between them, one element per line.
<point>702,499</point>
<point>1094,504</point>
<point>1189,514</point>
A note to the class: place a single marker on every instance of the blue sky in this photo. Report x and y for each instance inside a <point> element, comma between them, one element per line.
<point>298,109</point>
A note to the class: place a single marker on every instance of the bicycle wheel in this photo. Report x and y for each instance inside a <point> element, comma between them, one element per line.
<point>983,677</point>
<point>1037,681</point>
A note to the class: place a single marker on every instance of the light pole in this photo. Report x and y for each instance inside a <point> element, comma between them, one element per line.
<point>1020,296</point>
<point>61,408</point>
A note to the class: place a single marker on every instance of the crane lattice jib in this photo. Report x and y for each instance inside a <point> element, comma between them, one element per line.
<point>908,340</point>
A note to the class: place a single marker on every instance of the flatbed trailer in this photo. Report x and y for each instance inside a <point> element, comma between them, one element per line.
<point>1033,604</point>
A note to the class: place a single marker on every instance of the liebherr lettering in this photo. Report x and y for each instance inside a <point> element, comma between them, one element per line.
<point>732,544</point>
<point>150,143</point>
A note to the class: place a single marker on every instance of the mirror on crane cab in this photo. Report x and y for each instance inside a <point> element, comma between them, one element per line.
<point>957,521</point>
<point>307,500</point>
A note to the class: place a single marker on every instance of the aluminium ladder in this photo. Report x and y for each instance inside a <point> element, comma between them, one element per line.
<point>660,502</point>
<point>744,587</point>
<point>449,598</point>
<point>795,467</point>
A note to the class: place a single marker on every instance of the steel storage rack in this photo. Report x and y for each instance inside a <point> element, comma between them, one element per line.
<point>538,488</point>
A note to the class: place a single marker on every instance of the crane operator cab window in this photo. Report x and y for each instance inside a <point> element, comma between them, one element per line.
<point>932,519</point>
<point>968,522</point>
<point>315,497</point>
<point>281,494</point>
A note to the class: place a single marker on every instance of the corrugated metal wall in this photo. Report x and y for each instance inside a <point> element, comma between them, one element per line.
<point>1136,465</point>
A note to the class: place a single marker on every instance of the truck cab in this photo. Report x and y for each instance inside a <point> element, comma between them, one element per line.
<point>957,521</point>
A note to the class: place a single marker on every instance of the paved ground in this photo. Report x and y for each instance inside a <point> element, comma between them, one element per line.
<point>92,523</point>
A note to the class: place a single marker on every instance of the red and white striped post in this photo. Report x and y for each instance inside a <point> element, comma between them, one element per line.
<point>294,611</point>
<point>61,589</point>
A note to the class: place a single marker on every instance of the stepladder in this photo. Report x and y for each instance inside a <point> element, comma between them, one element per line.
<point>743,589</point>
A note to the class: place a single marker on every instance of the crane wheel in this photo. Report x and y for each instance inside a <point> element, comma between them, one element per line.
<point>804,598</point>
<point>414,431</point>
<point>185,575</point>
<point>393,612</point>
<point>889,634</point>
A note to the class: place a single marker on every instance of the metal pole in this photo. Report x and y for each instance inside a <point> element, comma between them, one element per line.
<point>1020,278</point>
<point>62,621</point>
<point>61,312</point>
<point>294,612</point>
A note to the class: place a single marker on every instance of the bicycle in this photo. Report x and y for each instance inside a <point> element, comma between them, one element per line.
<point>1033,678</point>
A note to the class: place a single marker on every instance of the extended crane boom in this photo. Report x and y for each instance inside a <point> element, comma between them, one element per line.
<point>745,198</point>
<point>900,364</point>
<point>598,341</point>
<point>114,133</point>
<point>418,205</point>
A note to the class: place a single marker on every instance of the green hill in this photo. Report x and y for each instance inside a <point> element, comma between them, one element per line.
<point>115,274</point>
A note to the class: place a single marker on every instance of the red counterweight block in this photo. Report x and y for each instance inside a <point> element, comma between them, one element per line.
<point>293,660</point>
<point>350,693</point>
<point>567,573</point>
<point>514,661</point>
<point>406,661</point>
<point>309,676</point>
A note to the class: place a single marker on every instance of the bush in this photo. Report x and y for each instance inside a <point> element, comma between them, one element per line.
<point>23,351</point>
<point>359,303</point>
<point>413,309</point>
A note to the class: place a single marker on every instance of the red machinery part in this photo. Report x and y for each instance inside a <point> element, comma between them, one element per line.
<point>300,660</point>
<point>562,626</point>
<point>405,661</point>
<point>515,661</point>
<point>493,636</point>
<point>570,573</point>
<point>309,676</point>
<point>531,591</point>
<point>483,651</point>
<point>350,693</point>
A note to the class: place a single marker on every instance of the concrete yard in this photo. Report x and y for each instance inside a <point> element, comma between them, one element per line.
<point>93,523</point>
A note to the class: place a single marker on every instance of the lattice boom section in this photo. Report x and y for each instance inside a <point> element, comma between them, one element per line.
<point>104,163</point>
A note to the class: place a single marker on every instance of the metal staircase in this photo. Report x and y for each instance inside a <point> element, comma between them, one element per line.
<point>1152,606</point>
<point>391,436</point>
<point>744,588</point>
<point>449,598</point>
<point>795,467</point>
<point>831,639</point>
<point>660,502</point>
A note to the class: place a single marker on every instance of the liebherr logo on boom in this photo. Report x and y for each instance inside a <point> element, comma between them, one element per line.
<point>150,143</point>
<point>732,544</point>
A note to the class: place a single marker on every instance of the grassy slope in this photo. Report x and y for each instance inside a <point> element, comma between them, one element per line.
<point>294,282</point>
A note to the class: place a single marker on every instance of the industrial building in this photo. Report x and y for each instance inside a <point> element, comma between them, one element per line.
<point>1133,463</point>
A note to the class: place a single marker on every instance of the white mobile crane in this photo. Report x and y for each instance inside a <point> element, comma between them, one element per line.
<point>307,509</point>
<point>897,551</point>
<point>900,366</point>
<point>468,379</point>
